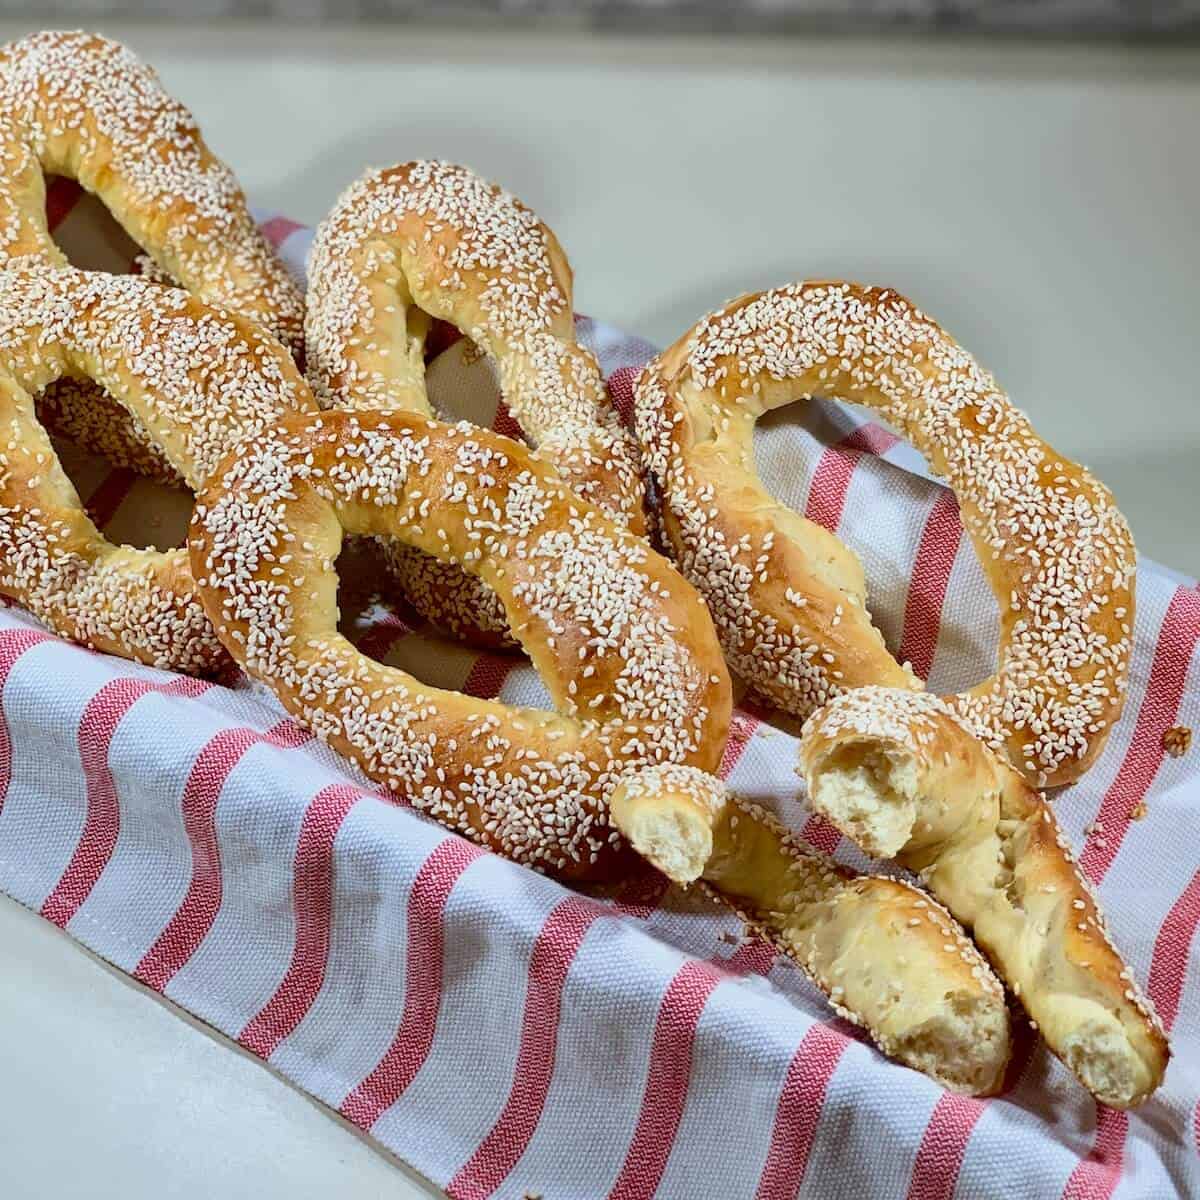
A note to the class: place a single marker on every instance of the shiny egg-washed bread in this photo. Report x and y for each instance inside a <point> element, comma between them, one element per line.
<point>900,773</point>
<point>83,106</point>
<point>887,957</point>
<point>408,243</point>
<point>198,378</point>
<point>621,641</point>
<point>789,599</point>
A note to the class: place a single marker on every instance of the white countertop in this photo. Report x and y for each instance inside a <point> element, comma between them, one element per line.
<point>1041,202</point>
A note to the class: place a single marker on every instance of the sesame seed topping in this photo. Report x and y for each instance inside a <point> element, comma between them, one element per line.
<point>1058,549</point>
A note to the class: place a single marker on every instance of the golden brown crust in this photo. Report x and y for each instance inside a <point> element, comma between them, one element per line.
<point>407,243</point>
<point>80,105</point>
<point>886,956</point>
<point>900,773</point>
<point>623,644</point>
<point>789,599</point>
<point>196,378</point>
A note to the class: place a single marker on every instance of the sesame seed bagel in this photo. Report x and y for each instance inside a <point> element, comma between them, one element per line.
<point>789,600</point>
<point>80,105</point>
<point>196,377</point>
<point>887,957</point>
<point>621,641</point>
<point>408,243</point>
<point>901,774</point>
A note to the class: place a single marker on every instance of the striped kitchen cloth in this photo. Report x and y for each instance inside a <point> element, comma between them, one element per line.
<point>507,1036</point>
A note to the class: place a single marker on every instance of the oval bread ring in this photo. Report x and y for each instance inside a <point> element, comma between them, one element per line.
<point>80,105</point>
<point>197,378</point>
<point>623,644</point>
<point>789,600</point>
<point>408,243</point>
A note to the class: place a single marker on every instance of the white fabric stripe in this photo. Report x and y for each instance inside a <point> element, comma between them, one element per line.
<point>46,805</point>
<point>378,852</point>
<point>151,865</point>
<point>1004,1124</point>
<point>259,814</point>
<point>491,920</point>
<point>605,1032</point>
<point>744,1044</point>
<point>870,1128</point>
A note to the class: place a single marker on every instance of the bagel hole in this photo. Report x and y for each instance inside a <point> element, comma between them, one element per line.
<point>86,232</point>
<point>133,496</point>
<point>865,507</point>
<point>130,509</point>
<point>375,617</point>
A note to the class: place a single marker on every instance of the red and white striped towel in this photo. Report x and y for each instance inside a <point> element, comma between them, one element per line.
<point>508,1037</point>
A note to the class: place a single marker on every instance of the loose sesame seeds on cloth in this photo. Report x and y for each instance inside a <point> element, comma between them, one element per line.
<point>623,644</point>
<point>1053,545</point>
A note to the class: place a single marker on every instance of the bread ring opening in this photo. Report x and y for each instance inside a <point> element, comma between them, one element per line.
<point>127,505</point>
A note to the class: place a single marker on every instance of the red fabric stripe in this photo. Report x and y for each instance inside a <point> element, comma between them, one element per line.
<point>621,388</point>
<point>278,229</point>
<point>557,944</point>
<point>741,730</point>
<point>1169,964</point>
<point>801,1101</point>
<point>870,439</point>
<point>422,985</point>
<point>830,483</point>
<point>102,823</point>
<point>442,335</point>
<point>820,833</point>
<point>940,1155</point>
<point>13,643</point>
<point>666,1080</point>
<point>109,495</point>
<point>382,634</point>
<point>505,423</point>
<point>1164,692</point>
<point>940,540</point>
<point>756,956</point>
<point>1096,1177</point>
<point>487,676</point>
<point>829,486</point>
<point>62,194</point>
<point>312,901</point>
<point>195,915</point>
